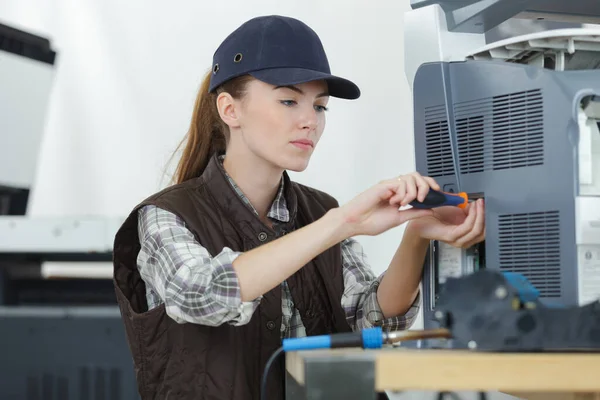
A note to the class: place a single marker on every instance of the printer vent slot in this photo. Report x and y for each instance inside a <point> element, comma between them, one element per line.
<point>90,383</point>
<point>500,132</point>
<point>100,383</point>
<point>47,385</point>
<point>437,140</point>
<point>529,244</point>
<point>471,144</point>
<point>518,130</point>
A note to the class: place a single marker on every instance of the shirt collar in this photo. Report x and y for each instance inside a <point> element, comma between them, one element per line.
<point>278,211</point>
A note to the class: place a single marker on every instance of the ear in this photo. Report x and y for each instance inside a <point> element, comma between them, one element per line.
<point>228,109</point>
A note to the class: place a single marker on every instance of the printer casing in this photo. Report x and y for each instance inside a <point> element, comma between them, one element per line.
<point>514,139</point>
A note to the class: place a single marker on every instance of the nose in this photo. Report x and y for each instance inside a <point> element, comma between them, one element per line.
<point>309,119</point>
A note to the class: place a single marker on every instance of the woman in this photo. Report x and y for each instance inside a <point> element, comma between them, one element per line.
<point>212,272</point>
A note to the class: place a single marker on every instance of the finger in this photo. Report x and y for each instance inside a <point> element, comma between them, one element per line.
<point>432,183</point>
<point>387,189</point>
<point>411,189</point>
<point>400,191</point>
<point>461,230</point>
<point>484,224</point>
<point>422,187</point>
<point>477,228</point>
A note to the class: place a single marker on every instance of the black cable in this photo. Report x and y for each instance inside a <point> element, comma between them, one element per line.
<point>263,384</point>
<point>442,395</point>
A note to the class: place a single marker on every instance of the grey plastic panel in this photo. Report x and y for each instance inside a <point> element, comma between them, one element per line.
<point>517,137</point>
<point>479,16</point>
<point>76,357</point>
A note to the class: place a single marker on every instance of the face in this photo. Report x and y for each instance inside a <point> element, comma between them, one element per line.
<point>281,125</point>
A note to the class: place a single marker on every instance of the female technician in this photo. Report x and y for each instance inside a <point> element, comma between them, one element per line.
<point>212,272</point>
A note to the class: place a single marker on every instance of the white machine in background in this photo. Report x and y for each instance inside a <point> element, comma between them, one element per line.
<point>26,85</point>
<point>57,300</point>
<point>514,121</point>
<point>27,65</point>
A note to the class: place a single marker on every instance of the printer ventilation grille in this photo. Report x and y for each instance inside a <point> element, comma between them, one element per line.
<point>90,383</point>
<point>529,244</point>
<point>501,132</point>
<point>437,140</point>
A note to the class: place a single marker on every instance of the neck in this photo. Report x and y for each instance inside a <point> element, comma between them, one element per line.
<point>258,179</point>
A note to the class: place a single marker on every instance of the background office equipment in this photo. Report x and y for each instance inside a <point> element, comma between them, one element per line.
<point>62,336</point>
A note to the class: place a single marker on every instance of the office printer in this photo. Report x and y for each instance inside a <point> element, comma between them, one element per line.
<point>514,121</point>
<point>62,336</point>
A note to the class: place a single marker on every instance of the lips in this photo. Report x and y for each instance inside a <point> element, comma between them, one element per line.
<point>304,142</point>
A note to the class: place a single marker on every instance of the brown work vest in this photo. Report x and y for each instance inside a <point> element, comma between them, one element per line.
<point>191,361</point>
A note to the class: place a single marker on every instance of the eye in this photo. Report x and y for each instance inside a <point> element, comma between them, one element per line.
<point>321,108</point>
<point>288,103</point>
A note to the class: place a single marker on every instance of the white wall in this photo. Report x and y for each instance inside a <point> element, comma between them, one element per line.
<point>127,74</point>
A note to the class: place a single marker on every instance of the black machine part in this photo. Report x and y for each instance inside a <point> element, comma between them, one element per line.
<point>13,201</point>
<point>484,311</point>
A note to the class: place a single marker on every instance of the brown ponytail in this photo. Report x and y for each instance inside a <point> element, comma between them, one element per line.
<point>207,133</point>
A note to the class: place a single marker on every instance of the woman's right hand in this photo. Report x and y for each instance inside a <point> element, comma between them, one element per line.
<point>377,209</point>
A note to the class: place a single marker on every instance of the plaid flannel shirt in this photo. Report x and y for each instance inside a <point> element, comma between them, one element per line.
<point>201,288</point>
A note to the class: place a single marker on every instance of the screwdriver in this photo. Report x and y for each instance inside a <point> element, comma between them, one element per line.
<point>436,198</point>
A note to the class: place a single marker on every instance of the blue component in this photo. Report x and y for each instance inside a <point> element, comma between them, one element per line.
<point>307,343</point>
<point>527,292</point>
<point>372,338</point>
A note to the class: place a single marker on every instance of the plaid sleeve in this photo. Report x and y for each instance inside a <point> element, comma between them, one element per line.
<point>194,286</point>
<point>360,293</point>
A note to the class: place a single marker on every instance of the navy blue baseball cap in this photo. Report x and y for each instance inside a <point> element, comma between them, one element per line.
<point>280,51</point>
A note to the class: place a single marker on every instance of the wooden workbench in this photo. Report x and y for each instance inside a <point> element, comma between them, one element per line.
<point>356,373</point>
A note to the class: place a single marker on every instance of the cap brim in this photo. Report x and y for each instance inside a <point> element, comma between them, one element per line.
<point>338,87</point>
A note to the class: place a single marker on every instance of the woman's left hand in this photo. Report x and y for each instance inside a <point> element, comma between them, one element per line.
<point>458,227</point>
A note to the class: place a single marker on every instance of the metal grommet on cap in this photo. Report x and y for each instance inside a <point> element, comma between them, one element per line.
<point>262,236</point>
<point>216,68</point>
<point>237,58</point>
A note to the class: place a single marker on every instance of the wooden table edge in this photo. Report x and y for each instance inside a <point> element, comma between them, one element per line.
<point>446,370</point>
